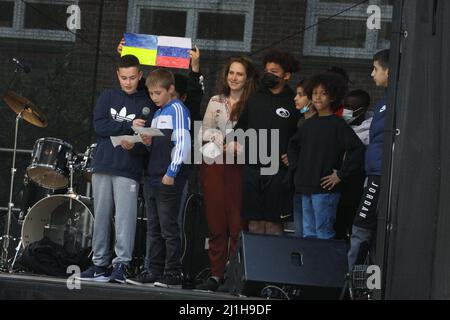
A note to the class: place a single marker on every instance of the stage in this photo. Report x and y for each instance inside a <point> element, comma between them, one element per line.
<point>34,287</point>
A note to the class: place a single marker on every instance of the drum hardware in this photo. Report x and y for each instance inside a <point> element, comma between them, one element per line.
<point>24,109</point>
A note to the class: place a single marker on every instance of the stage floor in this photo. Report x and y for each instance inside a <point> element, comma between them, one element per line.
<point>33,287</point>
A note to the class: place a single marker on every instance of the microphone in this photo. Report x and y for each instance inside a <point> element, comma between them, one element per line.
<point>25,69</point>
<point>145,113</point>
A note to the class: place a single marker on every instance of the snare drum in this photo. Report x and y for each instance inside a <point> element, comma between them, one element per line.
<point>86,166</point>
<point>49,160</point>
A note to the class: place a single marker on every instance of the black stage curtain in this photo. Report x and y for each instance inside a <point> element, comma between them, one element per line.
<point>414,217</point>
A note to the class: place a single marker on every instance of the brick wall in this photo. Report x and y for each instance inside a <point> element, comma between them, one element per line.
<point>65,83</point>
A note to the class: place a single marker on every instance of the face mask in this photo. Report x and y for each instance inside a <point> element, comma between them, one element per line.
<point>348,115</point>
<point>305,109</point>
<point>269,80</point>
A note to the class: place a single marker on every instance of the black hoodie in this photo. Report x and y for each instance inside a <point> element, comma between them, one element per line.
<point>265,110</point>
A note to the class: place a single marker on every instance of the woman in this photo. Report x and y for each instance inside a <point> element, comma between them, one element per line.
<point>221,182</point>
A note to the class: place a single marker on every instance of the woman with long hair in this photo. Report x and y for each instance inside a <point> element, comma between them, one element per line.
<point>221,182</point>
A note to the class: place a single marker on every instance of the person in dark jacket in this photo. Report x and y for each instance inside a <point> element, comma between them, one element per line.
<point>270,114</point>
<point>365,223</point>
<point>117,172</point>
<point>323,152</point>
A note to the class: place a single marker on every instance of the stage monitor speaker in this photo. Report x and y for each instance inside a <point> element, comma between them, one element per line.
<point>313,268</point>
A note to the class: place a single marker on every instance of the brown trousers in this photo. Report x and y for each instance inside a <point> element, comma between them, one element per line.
<point>222,190</point>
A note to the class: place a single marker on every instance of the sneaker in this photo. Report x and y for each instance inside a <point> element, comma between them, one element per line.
<point>169,280</point>
<point>118,273</point>
<point>211,284</point>
<point>94,273</point>
<point>146,277</point>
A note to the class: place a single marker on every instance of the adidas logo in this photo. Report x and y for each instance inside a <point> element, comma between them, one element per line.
<point>122,115</point>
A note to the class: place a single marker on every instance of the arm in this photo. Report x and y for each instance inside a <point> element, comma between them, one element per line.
<point>354,158</point>
<point>195,87</point>
<point>294,148</point>
<point>104,125</point>
<point>195,93</point>
<point>181,139</point>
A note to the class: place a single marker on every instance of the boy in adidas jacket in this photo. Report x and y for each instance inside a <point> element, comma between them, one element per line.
<point>167,176</point>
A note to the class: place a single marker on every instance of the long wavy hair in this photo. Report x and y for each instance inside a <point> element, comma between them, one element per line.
<point>250,86</point>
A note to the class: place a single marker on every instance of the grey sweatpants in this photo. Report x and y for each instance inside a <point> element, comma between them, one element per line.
<point>119,195</point>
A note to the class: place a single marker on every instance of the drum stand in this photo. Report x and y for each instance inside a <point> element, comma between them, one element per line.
<point>4,257</point>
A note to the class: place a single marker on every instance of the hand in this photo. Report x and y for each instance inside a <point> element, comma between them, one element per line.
<point>119,47</point>
<point>147,140</point>
<point>138,122</point>
<point>329,182</point>
<point>284,159</point>
<point>126,145</point>
<point>168,181</point>
<point>195,59</point>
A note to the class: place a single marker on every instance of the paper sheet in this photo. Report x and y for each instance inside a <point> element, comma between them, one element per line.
<point>132,139</point>
<point>153,132</point>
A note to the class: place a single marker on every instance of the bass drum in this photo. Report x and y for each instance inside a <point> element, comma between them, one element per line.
<point>64,220</point>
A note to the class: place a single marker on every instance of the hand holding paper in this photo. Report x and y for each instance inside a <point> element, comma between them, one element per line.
<point>116,141</point>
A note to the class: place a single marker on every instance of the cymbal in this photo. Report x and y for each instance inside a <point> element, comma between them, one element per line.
<point>31,112</point>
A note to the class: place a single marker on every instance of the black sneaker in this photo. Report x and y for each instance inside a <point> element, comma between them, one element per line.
<point>146,277</point>
<point>211,284</point>
<point>119,273</point>
<point>94,273</point>
<point>169,280</point>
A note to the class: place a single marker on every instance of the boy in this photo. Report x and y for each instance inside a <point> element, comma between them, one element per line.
<point>365,223</point>
<point>356,114</point>
<point>167,176</point>
<point>356,104</point>
<point>117,172</point>
<point>267,197</point>
<point>316,155</point>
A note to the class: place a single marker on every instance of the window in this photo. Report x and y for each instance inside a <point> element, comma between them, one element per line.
<point>211,24</point>
<point>35,19</point>
<point>345,35</point>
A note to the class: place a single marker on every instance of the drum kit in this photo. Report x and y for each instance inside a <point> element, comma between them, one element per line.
<point>52,208</point>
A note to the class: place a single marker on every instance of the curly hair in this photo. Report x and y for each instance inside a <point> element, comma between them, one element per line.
<point>286,60</point>
<point>334,84</point>
<point>250,85</point>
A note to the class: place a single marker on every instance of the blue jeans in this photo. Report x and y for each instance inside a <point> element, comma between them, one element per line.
<point>319,215</point>
<point>298,214</point>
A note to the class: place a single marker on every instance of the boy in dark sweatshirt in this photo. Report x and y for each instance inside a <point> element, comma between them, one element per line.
<point>117,172</point>
<point>166,178</point>
<point>316,155</point>
<point>365,223</point>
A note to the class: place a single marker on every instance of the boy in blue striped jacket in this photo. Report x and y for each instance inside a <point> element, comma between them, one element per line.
<point>167,175</point>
